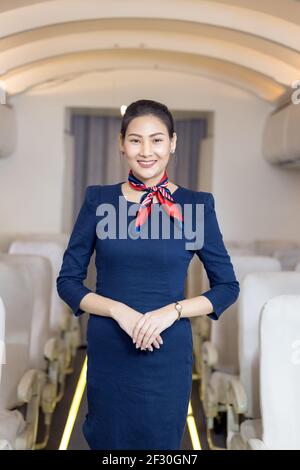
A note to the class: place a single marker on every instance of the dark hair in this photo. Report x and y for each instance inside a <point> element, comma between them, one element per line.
<point>144,107</point>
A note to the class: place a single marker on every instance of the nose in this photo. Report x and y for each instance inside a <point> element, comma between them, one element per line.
<point>146,149</point>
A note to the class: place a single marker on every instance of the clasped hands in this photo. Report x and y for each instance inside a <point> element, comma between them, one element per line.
<point>145,329</point>
<point>148,328</point>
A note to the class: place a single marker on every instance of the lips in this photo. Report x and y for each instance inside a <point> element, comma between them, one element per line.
<point>146,163</point>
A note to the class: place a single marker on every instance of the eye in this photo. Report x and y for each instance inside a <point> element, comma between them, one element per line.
<point>134,140</point>
<point>158,140</point>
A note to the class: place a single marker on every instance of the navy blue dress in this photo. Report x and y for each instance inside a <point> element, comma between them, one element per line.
<point>139,399</point>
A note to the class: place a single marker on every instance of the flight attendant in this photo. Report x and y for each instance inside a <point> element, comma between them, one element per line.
<point>139,338</point>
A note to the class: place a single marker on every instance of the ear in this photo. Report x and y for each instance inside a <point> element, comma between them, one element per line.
<point>121,143</point>
<point>173,142</point>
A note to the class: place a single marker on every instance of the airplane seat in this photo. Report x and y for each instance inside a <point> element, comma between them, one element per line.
<point>243,399</point>
<point>201,325</point>
<point>62,318</point>
<point>269,247</point>
<point>279,375</point>
<point>5,241</point>
<point>62,322</point>
<point>297,268</point>
<point>12,423</point>
<point>40,271</point>
<point>220,355</point>
<point>20,383</point>
<point>249,429</point>
<point>238,248</point>
<point>2,336</point>
<point>45,352</point>
<point>288,257</point>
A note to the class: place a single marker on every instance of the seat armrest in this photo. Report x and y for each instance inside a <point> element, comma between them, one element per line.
<point>209,354</point>
<point>256,444</point>
<point>28,385</point>
<point>236,395</point>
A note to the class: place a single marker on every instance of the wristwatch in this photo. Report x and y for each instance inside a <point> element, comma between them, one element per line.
<point>178,307</point>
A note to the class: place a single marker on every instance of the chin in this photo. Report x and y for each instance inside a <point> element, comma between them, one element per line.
<point>146,172</point>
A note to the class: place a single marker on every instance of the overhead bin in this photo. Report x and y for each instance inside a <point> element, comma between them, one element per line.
<point>281,137</point>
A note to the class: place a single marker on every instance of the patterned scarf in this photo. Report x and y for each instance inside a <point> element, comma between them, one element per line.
<point>163,195</point>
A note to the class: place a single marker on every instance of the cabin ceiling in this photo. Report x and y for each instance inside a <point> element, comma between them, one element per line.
<point>252,45</point>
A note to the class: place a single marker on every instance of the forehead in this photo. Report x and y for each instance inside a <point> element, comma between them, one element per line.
<point>146,125</point>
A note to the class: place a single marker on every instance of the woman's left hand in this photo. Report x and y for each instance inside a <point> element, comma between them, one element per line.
<point>150,325</point>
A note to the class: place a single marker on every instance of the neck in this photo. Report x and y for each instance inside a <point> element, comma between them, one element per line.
<point>150,181</point>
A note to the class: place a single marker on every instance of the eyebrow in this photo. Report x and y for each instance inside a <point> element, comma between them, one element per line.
<point>151,135</point>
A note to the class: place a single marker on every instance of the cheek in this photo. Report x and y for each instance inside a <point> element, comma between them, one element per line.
<point>163,152</point>
<point>131,150</point>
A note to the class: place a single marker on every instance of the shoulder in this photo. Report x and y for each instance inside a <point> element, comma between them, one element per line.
<point>94,194</point>
<point>199,197</point>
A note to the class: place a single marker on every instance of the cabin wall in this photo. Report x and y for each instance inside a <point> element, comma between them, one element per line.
<point>253,199</point>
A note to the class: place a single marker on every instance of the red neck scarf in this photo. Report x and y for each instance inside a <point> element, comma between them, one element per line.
<point>163,195</point>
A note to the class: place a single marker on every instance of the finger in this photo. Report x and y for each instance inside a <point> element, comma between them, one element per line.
<point>150,348</point>
<point>137,329</point>
<point>150,336</point>
<point>159,338</point>
<point>156,344</point>
<point>142,333</point>
<point>145,336</point>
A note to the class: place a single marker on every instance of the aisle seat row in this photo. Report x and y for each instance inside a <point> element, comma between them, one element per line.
<point>39,337</point>
<point>227,351</point>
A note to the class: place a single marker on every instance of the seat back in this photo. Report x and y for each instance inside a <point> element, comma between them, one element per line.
<point>53,251</point>
<point>17,296</point>
<point>257,289</point>
<point>224,332</point>
<point>7,238</point>
<point>2,336</point>
<point>268,247</point>
<point>288,257</point>
<point>41,274</point>
<point>280,372</point>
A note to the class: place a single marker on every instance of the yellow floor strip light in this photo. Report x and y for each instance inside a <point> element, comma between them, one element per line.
<point>193,429</point>
<point>74,407</point>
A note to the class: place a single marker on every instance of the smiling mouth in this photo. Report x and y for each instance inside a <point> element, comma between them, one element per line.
<point>147,163</point>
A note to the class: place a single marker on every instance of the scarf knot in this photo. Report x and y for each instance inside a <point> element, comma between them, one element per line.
<point>163,195</point>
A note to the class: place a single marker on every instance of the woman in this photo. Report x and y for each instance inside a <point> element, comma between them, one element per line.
<point>139,335</point>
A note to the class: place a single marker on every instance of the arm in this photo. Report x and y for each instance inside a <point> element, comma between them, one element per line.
<point>69,282</point>
<point>104,306</point>
<point>76,259</point>
<point>224,287</point>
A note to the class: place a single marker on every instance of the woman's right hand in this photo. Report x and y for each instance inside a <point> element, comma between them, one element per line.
<point>127,321</point>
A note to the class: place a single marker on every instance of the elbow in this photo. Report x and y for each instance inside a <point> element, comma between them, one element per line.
<point>234,289</point>
<point>222,296</point>
<point>72,291</point>
<point>59,286</point>
<point>231,293</point>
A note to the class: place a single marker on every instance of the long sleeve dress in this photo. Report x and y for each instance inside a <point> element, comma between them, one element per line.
<point>138,399</point>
